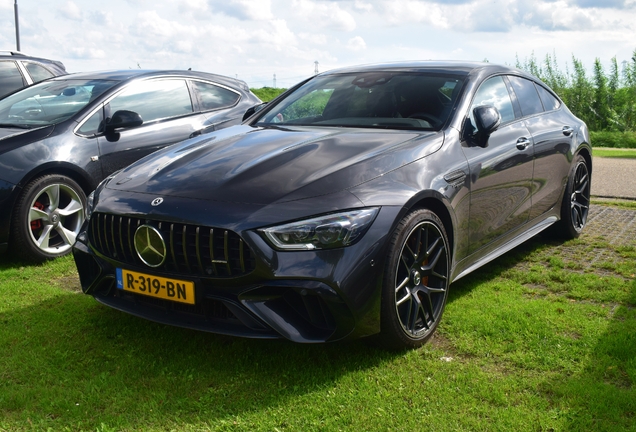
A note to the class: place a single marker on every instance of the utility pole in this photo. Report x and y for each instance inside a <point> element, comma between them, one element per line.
<point>17,25</point>
<point>274,80</point>
<point>316,67</point>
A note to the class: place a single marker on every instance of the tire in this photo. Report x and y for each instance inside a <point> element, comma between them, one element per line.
<point>575,205</point>
<point>414,290</point>
<point>47,218</point>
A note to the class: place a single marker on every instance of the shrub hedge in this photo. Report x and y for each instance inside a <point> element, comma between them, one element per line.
<point>613,139</point>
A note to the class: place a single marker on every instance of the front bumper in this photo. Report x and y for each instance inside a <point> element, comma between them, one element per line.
<point>308,296</point>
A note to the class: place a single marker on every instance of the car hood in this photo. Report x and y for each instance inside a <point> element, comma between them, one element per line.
<point>244,164</point>
<point>11,138</point>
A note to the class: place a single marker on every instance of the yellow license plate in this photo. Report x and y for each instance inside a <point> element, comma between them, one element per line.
<point>155,286</point>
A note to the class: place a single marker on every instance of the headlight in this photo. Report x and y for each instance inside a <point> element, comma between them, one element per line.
<point>89,205</point>
<point>324,232</point>
<point>93,197</point>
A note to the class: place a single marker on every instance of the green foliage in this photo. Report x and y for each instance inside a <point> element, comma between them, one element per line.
<point>605,100</point>
<point>613,139</point>
<point>266,94</point>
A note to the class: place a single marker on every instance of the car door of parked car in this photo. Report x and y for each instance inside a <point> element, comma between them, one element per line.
<point>168,115</point>
<point>552,130</point>
<point>501,169</point>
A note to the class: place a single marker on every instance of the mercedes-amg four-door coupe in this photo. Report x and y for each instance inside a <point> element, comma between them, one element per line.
<point>346,207</point>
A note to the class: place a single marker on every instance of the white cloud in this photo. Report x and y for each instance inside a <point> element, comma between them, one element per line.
<point>70,11</point>
<point>324,15</point>
<point>244,9</point>
<point>356,44</point>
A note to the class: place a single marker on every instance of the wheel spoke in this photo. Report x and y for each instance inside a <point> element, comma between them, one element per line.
<point>403,299</point>
<point>402,285</point>
<point>43,240</point>
<point>73,207</point>
<point>418,244</point>
<point>53,192</point>
<point>430,250</point>
<point>37,214</point>
<point>67,235</point>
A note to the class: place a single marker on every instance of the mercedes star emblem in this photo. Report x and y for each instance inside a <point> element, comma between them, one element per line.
<point>150,246</point>
<point>155,202</point>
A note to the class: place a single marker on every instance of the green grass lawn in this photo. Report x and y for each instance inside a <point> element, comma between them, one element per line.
<point>614,153</point>
<point>542,339</point>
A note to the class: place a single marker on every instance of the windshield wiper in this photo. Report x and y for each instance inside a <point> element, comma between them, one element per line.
<point>13,125</point>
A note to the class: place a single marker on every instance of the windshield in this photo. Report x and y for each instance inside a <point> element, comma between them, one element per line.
<point>49,102</point>
<point>389,100</point>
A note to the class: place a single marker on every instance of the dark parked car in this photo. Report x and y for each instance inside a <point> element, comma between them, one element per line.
<point>344,208</point>
<point>18,70</point>
<point>61,137</point>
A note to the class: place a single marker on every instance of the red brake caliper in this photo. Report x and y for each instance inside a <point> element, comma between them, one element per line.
<point>37,224</point>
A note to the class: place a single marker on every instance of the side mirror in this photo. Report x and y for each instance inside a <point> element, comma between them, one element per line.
<point>253,110</point>
<point>487,119</point>
<point>122,119</point>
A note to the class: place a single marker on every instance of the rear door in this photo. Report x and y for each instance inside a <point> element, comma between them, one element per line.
<point>552,130</point>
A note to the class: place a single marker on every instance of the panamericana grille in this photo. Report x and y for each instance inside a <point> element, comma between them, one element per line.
<point>192,249</point>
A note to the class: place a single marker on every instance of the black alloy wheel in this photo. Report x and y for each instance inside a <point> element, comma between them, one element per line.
<point>576,200</point>
<point>416,281</point>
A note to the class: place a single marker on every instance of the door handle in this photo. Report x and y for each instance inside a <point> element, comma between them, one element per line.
<point>523,143</point>
<point>567,131</point>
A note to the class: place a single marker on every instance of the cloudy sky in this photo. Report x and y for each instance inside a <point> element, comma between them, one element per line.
<point>255,39</point>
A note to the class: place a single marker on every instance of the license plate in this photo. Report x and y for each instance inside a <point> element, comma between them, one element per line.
<point>155,286</point>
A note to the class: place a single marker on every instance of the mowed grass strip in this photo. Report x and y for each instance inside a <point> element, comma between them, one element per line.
<point>543,338</point>
<point>614,153</point>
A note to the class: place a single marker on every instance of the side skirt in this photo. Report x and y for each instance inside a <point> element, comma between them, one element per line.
<point>499,249</point>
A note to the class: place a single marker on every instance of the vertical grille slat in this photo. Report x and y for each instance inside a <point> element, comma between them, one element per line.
<point>226,253</point>
<point>184,240</point>
<point>212,260</point>
<point>195,250</point>
<point>174,257</point>
<point>241,255</point>
<point>106,234</point>
<point>198,249</point>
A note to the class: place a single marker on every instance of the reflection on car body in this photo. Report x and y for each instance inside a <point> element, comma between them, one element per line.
<point>345,208</point>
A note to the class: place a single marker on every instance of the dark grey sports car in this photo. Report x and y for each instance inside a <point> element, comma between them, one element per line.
<point>61,137</point>
<point>344,208</point>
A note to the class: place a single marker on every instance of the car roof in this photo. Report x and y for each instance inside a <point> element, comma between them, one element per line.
<point>17,55</point>
<point>129,74</point>
<point>446,66</point>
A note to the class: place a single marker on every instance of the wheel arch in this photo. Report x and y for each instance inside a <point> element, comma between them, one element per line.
<point>80,176</point>
<point>60,168</point>
<point>438,205</point>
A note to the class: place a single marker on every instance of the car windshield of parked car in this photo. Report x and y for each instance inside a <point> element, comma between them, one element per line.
<point>388,100</point>
<point>49,102</point>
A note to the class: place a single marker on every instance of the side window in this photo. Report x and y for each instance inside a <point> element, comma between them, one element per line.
<point>154,99</point>
<point>549,101</point>
<point>10,78</point>
<point>214,97</point>
<point>494,92</point>
<point>91,126</point>
<point>526,95</point>
<point>38,73</point>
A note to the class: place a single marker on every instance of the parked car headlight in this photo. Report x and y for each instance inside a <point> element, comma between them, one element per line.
<point>90,201</point>
<point>324,232</point>
<point>93,197</point>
